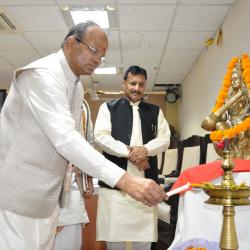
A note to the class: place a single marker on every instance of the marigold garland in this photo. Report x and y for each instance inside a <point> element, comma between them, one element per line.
<point>219,135</point>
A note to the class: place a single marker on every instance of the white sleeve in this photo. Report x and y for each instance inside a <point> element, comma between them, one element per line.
<point>103,137</point>
<point>46,97</point>
<point>162,140</point>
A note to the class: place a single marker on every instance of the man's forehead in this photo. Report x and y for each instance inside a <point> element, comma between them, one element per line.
<point>136,76</point>
<point>95,32</point>
<point>96,37</point>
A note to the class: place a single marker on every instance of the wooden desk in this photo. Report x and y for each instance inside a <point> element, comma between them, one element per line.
<point>89,233</point>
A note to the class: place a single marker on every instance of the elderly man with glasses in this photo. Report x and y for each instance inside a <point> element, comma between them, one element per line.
<point>39,136</point>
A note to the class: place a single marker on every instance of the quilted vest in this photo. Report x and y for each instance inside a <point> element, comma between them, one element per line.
<point>31,170</point>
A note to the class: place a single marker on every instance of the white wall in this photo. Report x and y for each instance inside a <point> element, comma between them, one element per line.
<point>201,87</point>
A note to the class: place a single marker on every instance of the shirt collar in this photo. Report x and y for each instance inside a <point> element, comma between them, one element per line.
<point>131,103</point>
<point>135,103</point>
<point>69,74</point>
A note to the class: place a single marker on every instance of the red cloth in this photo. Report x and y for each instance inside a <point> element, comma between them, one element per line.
<point>208,172</point>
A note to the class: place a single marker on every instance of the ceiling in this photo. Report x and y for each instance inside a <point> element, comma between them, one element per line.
<point>163,36</point>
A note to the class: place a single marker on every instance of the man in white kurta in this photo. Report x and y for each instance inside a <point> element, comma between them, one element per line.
<point>38,138</point>
<point>122,222</point>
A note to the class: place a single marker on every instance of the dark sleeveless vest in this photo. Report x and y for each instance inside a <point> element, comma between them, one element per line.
<point>122,121</point>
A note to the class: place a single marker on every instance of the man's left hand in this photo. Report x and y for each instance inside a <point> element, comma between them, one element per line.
<point>137,153</point>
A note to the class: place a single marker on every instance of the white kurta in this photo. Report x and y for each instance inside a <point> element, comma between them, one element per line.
<point>119,217</point>
<point>46,99</point>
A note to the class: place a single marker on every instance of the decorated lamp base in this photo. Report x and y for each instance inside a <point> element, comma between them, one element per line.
<point>229,195</point>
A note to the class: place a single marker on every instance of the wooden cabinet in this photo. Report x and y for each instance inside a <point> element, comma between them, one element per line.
<point>89,233</point>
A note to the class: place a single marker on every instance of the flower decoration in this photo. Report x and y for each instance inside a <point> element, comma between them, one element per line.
<point>196,248</point>
<point>219,135</point>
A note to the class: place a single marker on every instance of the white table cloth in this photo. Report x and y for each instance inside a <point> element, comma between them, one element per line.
<point>197,219</point>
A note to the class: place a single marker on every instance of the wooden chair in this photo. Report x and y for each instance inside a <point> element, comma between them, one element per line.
<point>170,161</point>
<point>211,153</point>
<point>208,148</point>
<point>192,152</point>
<point>167,210</point>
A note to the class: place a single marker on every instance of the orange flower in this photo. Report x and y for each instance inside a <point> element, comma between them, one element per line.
<point>242,127</point>
<point>226,83</point>
<point>224,89</point>
<point>246,63</point>
<point>238,129</point>
<point>222,95</point>
<point>214,109</point>
<point>218,135</point>
<point>220,102</point>
<point>230,132</point>
<point>247,79</point>
<point>246,72</point>
<point>247,121</point>
<point>227,76</point>
<point>232,62</point>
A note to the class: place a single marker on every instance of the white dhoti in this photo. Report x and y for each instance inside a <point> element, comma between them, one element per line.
<point>121,218</point>
<point>69,238</point>
<point>25,233</point>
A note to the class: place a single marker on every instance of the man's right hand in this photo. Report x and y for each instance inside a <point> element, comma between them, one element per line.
<point>137,153</point>
<point>145,190</point>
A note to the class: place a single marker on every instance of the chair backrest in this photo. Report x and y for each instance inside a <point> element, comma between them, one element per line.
<point>191,157</point>
<point>211,153</point>
<point>192,152</point>
<point>170,161</point>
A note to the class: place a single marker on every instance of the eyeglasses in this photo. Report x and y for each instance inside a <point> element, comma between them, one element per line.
<point>92,50</point>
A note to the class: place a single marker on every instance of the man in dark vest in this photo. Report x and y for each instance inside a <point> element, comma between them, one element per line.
<point>131,133</point>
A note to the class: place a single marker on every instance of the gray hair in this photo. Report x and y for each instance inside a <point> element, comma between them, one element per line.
<point>79,30</point>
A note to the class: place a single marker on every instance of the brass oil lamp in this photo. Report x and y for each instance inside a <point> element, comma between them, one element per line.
<point>229,195</point>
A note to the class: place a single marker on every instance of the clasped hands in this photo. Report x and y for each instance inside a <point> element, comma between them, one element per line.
<point>138,156</point>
